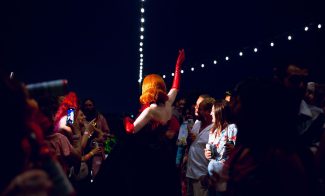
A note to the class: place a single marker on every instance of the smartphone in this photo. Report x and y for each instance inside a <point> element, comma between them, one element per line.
<point>70,116</point>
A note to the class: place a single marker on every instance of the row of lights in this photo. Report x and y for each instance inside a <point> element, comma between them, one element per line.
<point>142,20</point>
<point>255,50</point>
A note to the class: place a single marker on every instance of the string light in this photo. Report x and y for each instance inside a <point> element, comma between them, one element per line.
<point>256,49</point>
<point>141,43</point>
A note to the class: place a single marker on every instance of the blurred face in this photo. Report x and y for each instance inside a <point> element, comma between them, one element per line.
<point>227,98</point>
<point>198,101</point>
<point>81,117</point>
<point>310,93</point>
<point>89,105</point>
<point>235,107</point>
<point>213,114</point>
<point>296,79</point>
<point>180,105</point>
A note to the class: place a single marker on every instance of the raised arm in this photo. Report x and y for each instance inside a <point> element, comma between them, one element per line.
<point>177,77</point>
<point>153,112</point>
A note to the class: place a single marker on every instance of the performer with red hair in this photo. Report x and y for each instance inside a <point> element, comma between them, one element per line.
<point>156,103</point>
<point>142,163</point>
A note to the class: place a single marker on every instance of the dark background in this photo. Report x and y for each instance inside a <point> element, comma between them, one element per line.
<point>95,44</point>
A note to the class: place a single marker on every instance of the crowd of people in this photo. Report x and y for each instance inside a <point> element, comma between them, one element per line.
<point>265,137</point>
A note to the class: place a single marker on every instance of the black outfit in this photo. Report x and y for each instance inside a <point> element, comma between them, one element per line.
<point>140,164</point>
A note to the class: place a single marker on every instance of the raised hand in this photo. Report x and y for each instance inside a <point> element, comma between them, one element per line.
<point>179,62</point>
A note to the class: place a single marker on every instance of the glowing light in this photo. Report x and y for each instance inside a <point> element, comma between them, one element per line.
<point>142,10</point>
<point>255,50</point>
<point>141,43</point>
<point>202,65</point>
<point>141,37</point>
<point>140,49</point>
<point>172,74</point>
<point>319,26</point>
<point>306,28</point>
<point>182,71</point>
<point>141,55</point>
<point>240,53</point>
<point>164,76</point>
<point>271,44</point>
<point>289,37</point>
<point>141,29</point>
<point>142,20</point>
<point>227,58</point>
<point>215,62</point>
<point>192,68</point>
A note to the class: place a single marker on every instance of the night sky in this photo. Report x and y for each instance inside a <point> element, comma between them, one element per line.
<point>95,44</point>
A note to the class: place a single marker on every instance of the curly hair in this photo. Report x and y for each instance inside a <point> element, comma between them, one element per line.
<point>153,90</point>
<point>69,101</point>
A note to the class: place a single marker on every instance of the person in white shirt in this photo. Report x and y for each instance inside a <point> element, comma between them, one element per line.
<point>197,163</point>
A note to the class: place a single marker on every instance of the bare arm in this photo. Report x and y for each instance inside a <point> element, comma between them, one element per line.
<point>143,119</point>
<point>159,113</point>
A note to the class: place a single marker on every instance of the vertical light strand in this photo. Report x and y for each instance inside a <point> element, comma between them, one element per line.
<point>141,42</point>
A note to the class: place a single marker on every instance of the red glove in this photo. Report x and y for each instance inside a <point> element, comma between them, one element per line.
<point>128,124</point>
<point>177,74</point>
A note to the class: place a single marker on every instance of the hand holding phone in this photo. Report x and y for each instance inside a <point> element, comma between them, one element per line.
<point>70,116</point>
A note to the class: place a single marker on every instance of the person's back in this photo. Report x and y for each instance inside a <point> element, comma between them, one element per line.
<point>268,159</point>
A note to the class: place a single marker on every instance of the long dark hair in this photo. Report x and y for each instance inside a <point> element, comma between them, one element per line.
<point>221,112</point>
